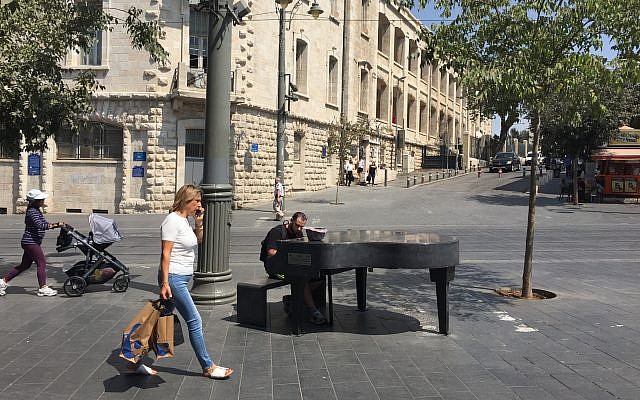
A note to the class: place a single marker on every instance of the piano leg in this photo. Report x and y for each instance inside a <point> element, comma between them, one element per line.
<point>442,277</point>
<point>361,288</point>
<point>330,288</point>
<point>297,304</point>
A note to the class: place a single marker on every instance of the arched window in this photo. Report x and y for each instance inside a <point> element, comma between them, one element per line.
<point>332,81</point>
<point>382,100</point>
<point>383,34</point>
<point>364,90</point>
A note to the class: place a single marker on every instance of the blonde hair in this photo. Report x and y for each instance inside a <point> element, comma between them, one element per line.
<point>184,195</point>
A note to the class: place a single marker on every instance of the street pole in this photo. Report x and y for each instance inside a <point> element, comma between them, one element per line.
<point>280,134</point>
<point>212,283</point>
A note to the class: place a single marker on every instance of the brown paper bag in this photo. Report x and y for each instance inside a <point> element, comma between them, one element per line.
<point>162,342</point>
<point>139,332</point>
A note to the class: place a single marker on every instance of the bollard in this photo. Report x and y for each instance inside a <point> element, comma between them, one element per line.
<point>422,180</point>
<point>408,181</point>
<point>437,174</point>
<point>429,176</point>
<point>449,173</point>
<point>524,172</point>
<point>465,170</point>
<point>415,179</point>
<point>385,177</point>
<point>499,172</point>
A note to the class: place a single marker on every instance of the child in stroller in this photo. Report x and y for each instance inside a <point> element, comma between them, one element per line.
<point>99,266</point>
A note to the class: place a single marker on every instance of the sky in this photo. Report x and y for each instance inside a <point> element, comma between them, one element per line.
<point>429,16</point>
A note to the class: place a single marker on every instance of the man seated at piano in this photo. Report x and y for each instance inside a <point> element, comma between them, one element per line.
<point>291,229</point>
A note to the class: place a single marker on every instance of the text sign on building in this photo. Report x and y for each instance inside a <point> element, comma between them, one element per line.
<point>139,156</point>
<point>137,172</point>
<point>33,164</point>
<point>254,147</point>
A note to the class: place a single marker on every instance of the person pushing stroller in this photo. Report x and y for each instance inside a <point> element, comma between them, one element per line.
<point>31,243</point>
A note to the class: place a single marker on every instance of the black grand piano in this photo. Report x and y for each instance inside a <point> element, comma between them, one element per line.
<point>301,259</point>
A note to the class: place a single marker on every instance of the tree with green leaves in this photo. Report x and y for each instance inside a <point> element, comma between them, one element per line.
<point>36,101</point>
<point>535,49</point>
<point>342,136</point>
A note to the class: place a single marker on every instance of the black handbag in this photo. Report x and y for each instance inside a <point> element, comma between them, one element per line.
<point>178,337</point>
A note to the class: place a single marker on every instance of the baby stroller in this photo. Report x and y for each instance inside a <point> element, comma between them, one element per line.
<point>99,266</point>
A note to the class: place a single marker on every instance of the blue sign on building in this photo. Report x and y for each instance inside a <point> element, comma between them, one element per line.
<point>139,156</point>
<point>254,147</point>
<point>33,164</point>
<point>138,172</point>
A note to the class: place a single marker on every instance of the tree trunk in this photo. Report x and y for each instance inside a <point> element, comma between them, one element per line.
<point>506,122</point>
<point>527,287</point>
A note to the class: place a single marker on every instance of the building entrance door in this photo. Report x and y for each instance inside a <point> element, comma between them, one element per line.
<point>193,156</point>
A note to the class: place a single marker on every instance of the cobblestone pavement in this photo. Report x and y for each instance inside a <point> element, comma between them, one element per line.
<point>583,344</point>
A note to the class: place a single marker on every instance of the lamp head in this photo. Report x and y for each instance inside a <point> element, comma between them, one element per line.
<point>283,3</point>
<point>315,10</point>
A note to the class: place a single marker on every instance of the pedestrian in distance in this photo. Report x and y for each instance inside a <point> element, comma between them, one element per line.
<point>349,170</point>
<point>278,197</point>
<point>372,173</point>
<point>179,245</point>
<point>31,243</point>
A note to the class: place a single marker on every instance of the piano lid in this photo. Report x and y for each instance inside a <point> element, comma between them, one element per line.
<point>384,236</point>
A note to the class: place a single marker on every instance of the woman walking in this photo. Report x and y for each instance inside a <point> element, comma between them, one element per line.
<point>35,227</point>
<point>179,244</point>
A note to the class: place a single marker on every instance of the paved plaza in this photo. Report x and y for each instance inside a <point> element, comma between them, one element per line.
<point>583,344</point>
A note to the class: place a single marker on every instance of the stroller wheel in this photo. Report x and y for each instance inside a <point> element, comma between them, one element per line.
<point>74,286</point>
<point>121,284</point>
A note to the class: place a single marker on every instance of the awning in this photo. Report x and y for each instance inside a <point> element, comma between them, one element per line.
<point>616,154</point>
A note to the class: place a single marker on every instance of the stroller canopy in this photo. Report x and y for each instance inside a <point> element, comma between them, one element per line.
<point>104,229</point>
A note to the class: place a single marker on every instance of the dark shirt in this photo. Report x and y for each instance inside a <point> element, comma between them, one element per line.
<point>279,232</point>
<point>34,228</point>
<point>372,170</point>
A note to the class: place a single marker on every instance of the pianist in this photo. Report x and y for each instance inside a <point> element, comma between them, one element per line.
<point>290,230</point>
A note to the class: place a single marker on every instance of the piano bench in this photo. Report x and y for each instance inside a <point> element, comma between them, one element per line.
<point>252,300</point>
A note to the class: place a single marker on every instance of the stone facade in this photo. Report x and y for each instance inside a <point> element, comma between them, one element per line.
<point>379,77</point>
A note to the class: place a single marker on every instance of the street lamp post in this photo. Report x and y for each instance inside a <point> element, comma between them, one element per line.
<point>397,157</point>
<point>212,283</point>
<point>315,12</point>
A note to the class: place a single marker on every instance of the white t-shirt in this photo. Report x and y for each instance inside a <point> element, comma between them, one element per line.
<point>176,229</point>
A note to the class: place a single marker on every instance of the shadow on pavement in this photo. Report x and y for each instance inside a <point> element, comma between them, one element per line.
<point>124,381</point>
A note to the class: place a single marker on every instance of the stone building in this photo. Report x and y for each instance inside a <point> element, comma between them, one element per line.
<point>145,137</point>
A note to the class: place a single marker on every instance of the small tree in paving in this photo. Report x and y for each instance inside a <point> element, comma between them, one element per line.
<point>532,48</point>
<point>35,37</point>
<point>342,137</point>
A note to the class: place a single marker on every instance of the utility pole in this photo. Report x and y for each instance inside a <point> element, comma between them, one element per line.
<point>212,283</point>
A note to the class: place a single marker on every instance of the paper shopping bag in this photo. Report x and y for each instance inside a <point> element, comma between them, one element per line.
<point>137,335</point>
<point>162,342</point>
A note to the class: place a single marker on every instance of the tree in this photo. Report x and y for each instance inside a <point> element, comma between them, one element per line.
<point>534,48</point>
<point>342,136</point>
<point>35,36</point>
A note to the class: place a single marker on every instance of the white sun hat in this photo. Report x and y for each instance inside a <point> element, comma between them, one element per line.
<point>36,194</point>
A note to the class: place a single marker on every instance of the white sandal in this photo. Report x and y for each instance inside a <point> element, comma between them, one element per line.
<point>217,372</point>
<point>142,369</point>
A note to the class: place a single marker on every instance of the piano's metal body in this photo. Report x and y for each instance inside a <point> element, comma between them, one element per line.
<point>300,260</point>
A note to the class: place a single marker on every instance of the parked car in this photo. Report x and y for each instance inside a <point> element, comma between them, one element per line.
<point>506,160</point>
<point>529,158</point>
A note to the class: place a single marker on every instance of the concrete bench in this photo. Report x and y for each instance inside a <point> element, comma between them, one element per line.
<point>252,300</point>
<point>252,307</point>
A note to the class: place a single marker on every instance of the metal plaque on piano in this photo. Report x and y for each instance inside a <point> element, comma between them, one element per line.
<point>299,259</point>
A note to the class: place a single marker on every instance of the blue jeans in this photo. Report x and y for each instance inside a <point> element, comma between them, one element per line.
<point>183,302</point>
